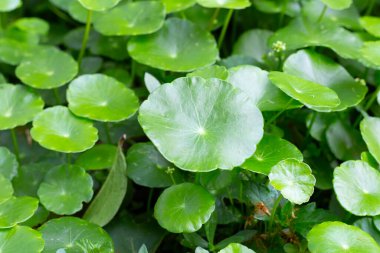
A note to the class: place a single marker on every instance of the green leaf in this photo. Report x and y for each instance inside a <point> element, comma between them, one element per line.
<point>239,237</point>
<point>317,68</point>
<point>236,248</point>
<point>290,8</point>
<point>133,18</point>
<point>147,167</point>
<point>212,113</point>
<point>151,83</point>
<point>18,106</point>
<point>370,53</point>
<point>110,197</point>
<point>73,235</point>
<point>47,68</point>
<point>12,52</point>
<point>32,25</point>
<point>294,179</point>
<point>143,249</point>
<point>56,128</point>
<point>16,210</point>
<point>102,98</point>
<point>192,203</point>
<point>177,5</point>
<point>371,25</point>
<point>337,4</point>
<point>9,5</point>
<point>8,163</point>
<point>370,128</point>
<point>64,188</point>
<point>311,94</point>
<point>357,189</point>
<point>178,46</point>
<point>367,225</point>
<point>6,189</point>
<point>21,239</point>
<point>256,84</point>
<point>266,156</point>
<point>99,157</point>
<point>333,237</point>
<point>99,5</point>
<point>228,4</point>
<point>213,71</point>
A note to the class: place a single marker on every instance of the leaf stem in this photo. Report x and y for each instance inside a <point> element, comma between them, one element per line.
<point>107,130</point>
<point>150,196</point>
<point>370,6</point>
<point>68,158</point>
<point>372,98</point>
<point>225,26</point>
<point>85,37</point>
<point>213,18</point>
<point>279,113</point>
<point>322,14</point>
<point>56,96</point>
<point>172,178</point>
<point>274,209</point>
<point>15,145</point>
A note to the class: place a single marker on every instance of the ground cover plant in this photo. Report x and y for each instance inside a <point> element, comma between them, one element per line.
<point>228,126</point>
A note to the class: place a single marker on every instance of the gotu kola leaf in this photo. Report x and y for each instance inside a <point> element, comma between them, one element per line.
<point>9,5</point>
<point>370,129</point>
<point>370,53</point>
<point>8,163</point>
<point>177,5</point>
<point>108,200</point>
<point>184,208</point>
<point>216,121</point>
<point>16,210</point>
<point>99,5</point>
<point>6,189</point>
<point>337,4</point>
<point>21,239</point>
<point>236,248</point>
<point>178,46</point>
<point>371,25</point>
<point>99,157</point>
<point>228,4</point>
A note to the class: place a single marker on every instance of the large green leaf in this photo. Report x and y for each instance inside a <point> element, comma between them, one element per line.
<point>47,68</point>
<point>99,5</point>
<point>184,208</point>
<point>357,188</point>
<point>256,84</point>
<point>370,129</point>
<point>236,248</point>
<point>336,237</point>
<point>337,4</point>
<point>74,235</point>
<point>20,239</point>
<point>99,157</point>
<point>177,5</point>
<point>8,163</point>
<point>102,98</point>
<point>371,25</point>
<point>228,4</point>
<point>317,68</point>
<point>266,156</point>
<point>134,18</point>
<point>6,189</point>
<point>215,124</point>
<point>110,197</point>
<point>294,179</point>
<point>56,128</point>
<point>178,46</point>
<point>16,210</point>
<point>64,188</point>
<point>18,106</point>
<point>9,5</point>
<point>311,94</point>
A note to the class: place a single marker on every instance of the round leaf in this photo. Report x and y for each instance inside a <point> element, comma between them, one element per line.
<point>177,5</point>
<point>215,124</point>
<point>266,156</point>
<point>294,179</point>
<point>192,203</point>
<point>9,5</point>
<point>6,189</point>
<point>371,25</point>
<point>370,54</point>
<point>228,4</point>
<point>147,167</point>
<point>311,94</point>
<point>56,128</point>
<point>357,188</point>
<point>337,4</point>
<point>47,68</point>
<point>213,71</point>
<point>178,46</point>
<point>102,98</point>
<point>334,237</point>
<point>99,5</point>
<point>18,106</point>
<point>64,188</point>
<point>21,239</point>
<point>32,25</point>
<point>8,163</point>
<point>236,248</point>
<point>16,210</point>
<point>74,235</point>
<point>370,129</point>
<point>133,18</point>
<point>12,52</point>
<point>97,158</point>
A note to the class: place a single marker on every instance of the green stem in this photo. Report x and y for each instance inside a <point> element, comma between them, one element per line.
<point>213,18</point>
<point>108,135</point>
<point>312,121</point>
<point>15,146</point>
<point>372,99</point>
<point>68,158</point>
<point>274,209</point>
<point>370,6</point>
<point>56,96</point>
<point>282,15</point>
<point>133,71</point>
<point>150,196</point>
<point>225,26</point>
<point>279,113</point>
<point>322,14</point>
<point>85,37</point>
<point>172,178</point>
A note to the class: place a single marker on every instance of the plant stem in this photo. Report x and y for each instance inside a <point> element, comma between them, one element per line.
<point>372,98</point>
<point>274,209</point>
<point>133,71</point>
<point>172,178</point>
<point>85,37</point>
<point>15,146</point>
<point>68,158</point>
<point>279,113</point>
<point>149,200</point>
<point>56,96</point>
<point>213,18</point>
<point>108,135</point>
<point>370,6</point>
<point>225,26</point>
<point>322,14</point>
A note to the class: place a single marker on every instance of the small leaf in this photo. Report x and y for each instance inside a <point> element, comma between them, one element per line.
<point>213,71</point>
<point>333,237</point>
<point>8,163</point>
<point>370,53</point>
<point>228,4</point>
<point>177,5</point>
<point>236,248</point>
<point>75,235</point>
<point>64,188</point>
<point>190,202</point>
<point>6,189</point>
<point>21,239</point>
<point>110,197</point>
<point>18,106</point>
<point>32,25</point>
<point>17,210</point>
<point>9,5</point>
<point>56,128</point>
<point>370,128</point>
<point>337,4</point>
<point>294,179</point>
<point>367,225</point>
<point>143,249</point>
<point>99,157</point>
<point>151,83</point>
<point>357,189</point>
<point>239,237</point>
<point>99,5</point>
<point>371,25</point>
